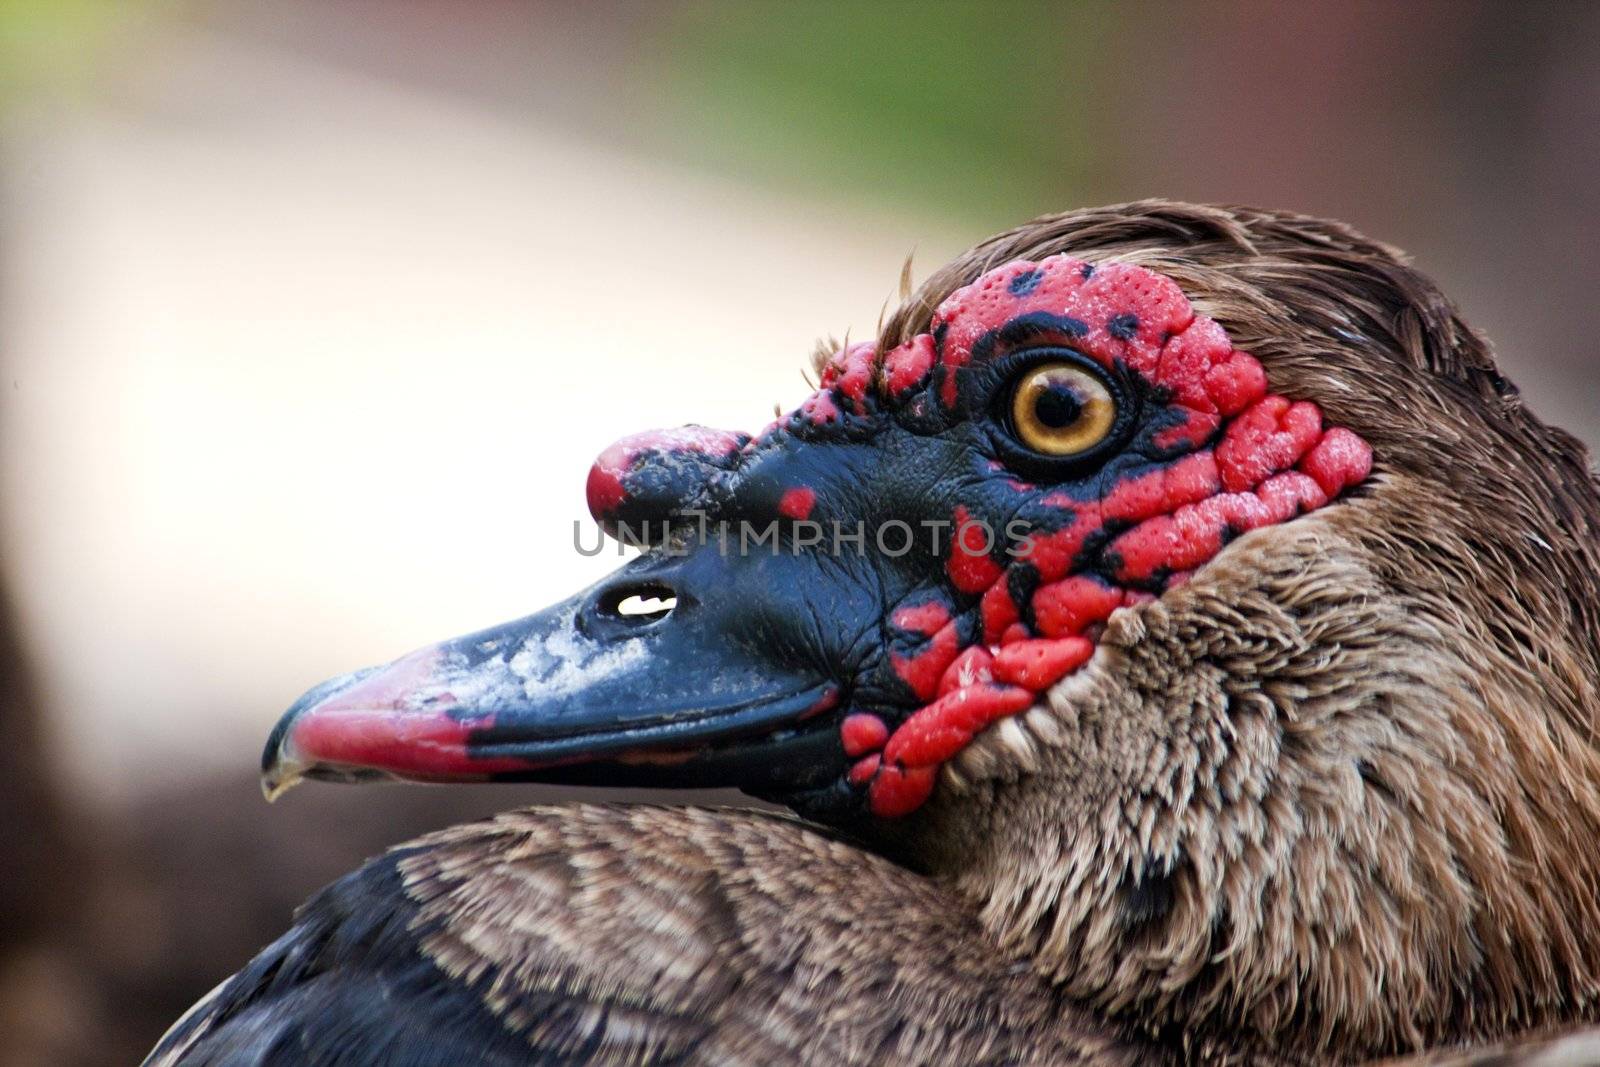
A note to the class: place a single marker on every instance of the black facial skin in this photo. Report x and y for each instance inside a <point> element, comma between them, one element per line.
<point>772,642</point>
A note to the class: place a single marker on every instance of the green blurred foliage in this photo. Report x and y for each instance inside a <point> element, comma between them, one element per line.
<point>952,106</point>
<point>62,45</point>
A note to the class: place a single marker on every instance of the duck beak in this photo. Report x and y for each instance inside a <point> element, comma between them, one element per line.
<point>641,680</point>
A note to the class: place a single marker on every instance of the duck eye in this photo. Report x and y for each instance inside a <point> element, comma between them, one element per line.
<point>1061,409</point>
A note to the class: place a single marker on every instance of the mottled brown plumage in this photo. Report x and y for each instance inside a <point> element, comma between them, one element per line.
<point>709,944</point>
<point>1362,742</point>
<point>1335,799</point>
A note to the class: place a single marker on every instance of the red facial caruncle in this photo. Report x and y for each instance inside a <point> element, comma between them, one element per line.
<point>1085,438</point>
<point>1225,457</point>
<point>1065,441</point>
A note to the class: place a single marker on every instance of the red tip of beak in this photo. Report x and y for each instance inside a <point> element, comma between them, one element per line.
<point>405,743</point>
<point>397,721</point>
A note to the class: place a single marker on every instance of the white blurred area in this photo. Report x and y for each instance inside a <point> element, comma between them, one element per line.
<point>304,368</point>
<point>314,313</point>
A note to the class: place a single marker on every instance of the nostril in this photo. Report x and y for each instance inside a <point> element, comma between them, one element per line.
<point>646,606</point>
<point>641,603</point>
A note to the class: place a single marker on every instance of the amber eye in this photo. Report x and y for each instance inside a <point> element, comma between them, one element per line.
<point>1061,409</point>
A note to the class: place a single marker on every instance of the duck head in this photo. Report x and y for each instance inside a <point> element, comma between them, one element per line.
<point>829,612</point>
<point>1184,586</point>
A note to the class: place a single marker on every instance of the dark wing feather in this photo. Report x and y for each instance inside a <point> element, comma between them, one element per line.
<point>346,986</point>
<point>643,936</point>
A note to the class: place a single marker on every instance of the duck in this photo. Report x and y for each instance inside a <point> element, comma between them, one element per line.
<point>1170,640</point>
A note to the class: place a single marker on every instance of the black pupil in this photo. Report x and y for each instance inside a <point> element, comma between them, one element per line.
<point>1058,406</point>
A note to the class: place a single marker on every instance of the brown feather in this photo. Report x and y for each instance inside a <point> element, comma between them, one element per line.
<point>1336,798</point>
<point>706,937</point>
<point>1355,755</point>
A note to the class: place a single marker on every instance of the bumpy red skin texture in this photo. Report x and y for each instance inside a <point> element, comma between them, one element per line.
<point>797,503</point>
<point>693,448</point>
<point>1243,459</point>
<point>1259,459</point>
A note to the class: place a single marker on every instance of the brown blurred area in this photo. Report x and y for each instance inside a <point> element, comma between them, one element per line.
<point>312,315</point>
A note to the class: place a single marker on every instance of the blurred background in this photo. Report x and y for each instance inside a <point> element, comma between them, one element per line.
<point>313,313</point>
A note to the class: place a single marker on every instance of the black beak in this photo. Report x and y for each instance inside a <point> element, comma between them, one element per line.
<point>657,675</point>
